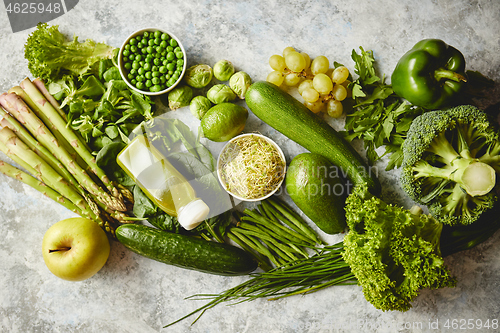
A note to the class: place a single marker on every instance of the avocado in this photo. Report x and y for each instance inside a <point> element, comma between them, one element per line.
<point>316,186</point>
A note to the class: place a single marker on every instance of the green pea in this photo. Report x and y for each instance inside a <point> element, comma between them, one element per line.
<point>156,80</point>
<point>126,52</point>
<point>133,71</point>
<point>163,69</point>
<point>170,56</point>
<point>165,36</point>
<point>180,62</point>
<point>155,68</point>
<point>168,76</point>
<point>147,66</point>
<point>127,46</point>
<point>141,71</point>
<point>170,82</point>
<point>141,63</point>
<point>171,72</point>
<point>148,75</point>
<point>127,65</point>
<point>157,61</point>
<point>140,85</point>
<point>133,48</point>
<point>130,76</point>
<point>156,74</point>
<point>150,49</point>
<point>157,41</point>
<point>171,66</point>
<point>163,79</point>
<point>138,57</point>
<point>175,76</point>
<point>157,55</point>
<point>140,78</point>
<point>151,42</point>
<point>135,65</point>
<point>169,49</point>
<point>148,83</point>
<point>173,42</point>
<point>163,44</point>
<point>179,55</point>
<point>133,81</point>
<point>133,41</point>
<point>146,34</point>
<point>157,34</point>
<point>177,49</point>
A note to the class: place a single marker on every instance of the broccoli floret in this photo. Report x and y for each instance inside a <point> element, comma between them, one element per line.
<point>393,252</point>
<point>50,54</point>
<point>450,161</point>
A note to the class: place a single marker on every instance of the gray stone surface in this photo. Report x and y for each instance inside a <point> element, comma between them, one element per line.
<point>133,294</point>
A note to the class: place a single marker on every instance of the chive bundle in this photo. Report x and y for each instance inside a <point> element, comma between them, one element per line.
<point>274,234</point>
<point>323,269</point>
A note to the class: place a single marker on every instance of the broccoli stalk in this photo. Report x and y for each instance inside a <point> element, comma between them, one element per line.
<point>50,54</point>
<point>450,161</point>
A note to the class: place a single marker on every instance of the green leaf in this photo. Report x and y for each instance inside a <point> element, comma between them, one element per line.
<point>112,131</point>
<point>143,206</point>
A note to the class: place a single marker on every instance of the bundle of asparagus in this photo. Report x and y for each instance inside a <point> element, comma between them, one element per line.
<point>34,134</point>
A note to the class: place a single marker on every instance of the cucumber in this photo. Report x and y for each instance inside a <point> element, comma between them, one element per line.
<point>315,186</point>
<point>287,115</point>
<point>185,251</point>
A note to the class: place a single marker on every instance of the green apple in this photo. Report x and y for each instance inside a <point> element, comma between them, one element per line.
<point>75,249</point>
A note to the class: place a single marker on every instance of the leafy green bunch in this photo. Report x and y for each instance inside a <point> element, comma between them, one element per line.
<point>393,252</point>
<point>379,117</point>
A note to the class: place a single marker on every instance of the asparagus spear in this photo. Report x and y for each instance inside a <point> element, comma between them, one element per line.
<point>43,89</point>
<point>38,185</point>
<point>13,147</point>
<point>36,110</point>
<point>48,110</point>
<point>8,121</point>
<point>16,106</point>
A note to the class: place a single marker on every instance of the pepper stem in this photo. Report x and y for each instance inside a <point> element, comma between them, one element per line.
<point>443,73</point>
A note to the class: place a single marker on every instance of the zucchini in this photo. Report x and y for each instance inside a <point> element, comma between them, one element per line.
<point>185,251</point>
<point>287,115</point>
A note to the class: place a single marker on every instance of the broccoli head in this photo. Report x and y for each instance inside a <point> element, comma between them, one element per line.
<point>50,54</point>
<point>392,251</point>
<point>450,161</point>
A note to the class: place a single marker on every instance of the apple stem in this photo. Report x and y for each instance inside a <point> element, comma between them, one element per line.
<point>61,249</point>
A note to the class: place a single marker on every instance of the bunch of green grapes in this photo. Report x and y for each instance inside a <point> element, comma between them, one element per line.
<point>321,89</point>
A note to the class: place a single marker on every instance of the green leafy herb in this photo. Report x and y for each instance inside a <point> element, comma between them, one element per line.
<point>379,117</point>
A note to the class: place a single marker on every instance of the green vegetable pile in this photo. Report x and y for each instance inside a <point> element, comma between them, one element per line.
<point>67,127</point>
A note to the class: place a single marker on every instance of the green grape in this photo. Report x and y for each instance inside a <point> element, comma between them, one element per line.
<point>307,58</point>
<point>304,85</point>
<point>295,61</point>
<point>287,50</point>
<point>292,79</point>
<point>310,95</point>
<point>334,108</point>
<point>315,107</point>
<point>339,92</point>
<point>322,83</point>
<point>277,63</point>
<point>340,74</point>
<point>320,64</point>
<point>275,77</point>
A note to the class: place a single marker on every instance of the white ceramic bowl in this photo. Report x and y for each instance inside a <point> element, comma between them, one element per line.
<point>219,162</point>
<point>123,70</point>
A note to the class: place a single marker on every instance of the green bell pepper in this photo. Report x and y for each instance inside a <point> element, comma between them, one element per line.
<point>430,75</point>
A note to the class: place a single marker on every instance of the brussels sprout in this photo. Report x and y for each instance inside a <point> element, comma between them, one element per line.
<point>220,93</point>
<point>199,106</point>
<point>198,76</point>
<point>240,82</point>
<point>179,96</point>
<point>223,70</point>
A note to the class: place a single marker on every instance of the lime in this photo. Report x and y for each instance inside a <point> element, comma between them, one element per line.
<point>224,121</point>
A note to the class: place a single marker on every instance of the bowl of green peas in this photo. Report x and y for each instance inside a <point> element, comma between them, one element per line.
<point>152,61</point>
